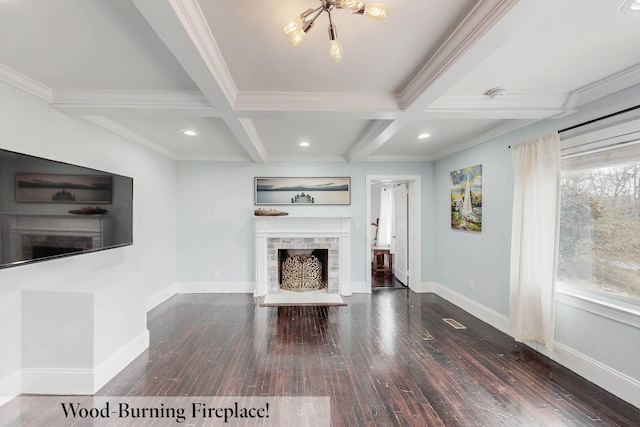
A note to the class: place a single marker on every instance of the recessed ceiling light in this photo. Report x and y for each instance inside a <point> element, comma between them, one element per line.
<point>188,132</point>
<point>304,144</point>
<point>423,136</point>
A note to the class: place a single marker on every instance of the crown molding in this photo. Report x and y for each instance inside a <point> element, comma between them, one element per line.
<point>127,133</point>
<point>507,107</point>
<point>495,132</point>
<point>313,159</point>
<point>27,84</point>
<point>604,87</point>
<point>399,158</point>
<point>194,23</point>
<point>81,102</point>
<point>484,15</point>
<point>315,101</point>
<point>212,158</point>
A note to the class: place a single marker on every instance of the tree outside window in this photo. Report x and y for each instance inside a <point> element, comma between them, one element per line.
<point>600,229</point>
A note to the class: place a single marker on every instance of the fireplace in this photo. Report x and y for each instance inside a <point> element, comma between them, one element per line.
<point>303,270</point>
<point>327,239</point>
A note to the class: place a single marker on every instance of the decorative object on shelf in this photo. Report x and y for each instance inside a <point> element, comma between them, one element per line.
<point>297,27</point>
<point>466,198</point>
<point>269,212</point>
<point>61,188</point>
<point>305,191</point>
<point>89,211</point>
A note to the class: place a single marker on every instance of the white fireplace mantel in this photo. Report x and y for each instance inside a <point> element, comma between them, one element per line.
<point>284,227</point>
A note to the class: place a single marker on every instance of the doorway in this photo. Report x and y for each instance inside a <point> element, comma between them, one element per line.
<point>402,232</point>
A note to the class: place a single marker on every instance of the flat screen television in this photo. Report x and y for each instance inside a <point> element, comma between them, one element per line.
<point>50,209</point>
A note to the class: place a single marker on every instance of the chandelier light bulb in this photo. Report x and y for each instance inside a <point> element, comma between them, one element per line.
<point>353,5</point>
<point>335,50</point>
<point>297,37</point>
<point>290,26</point>
<point>376,11</point>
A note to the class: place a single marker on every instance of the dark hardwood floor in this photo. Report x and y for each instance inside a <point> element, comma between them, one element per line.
<point>386,359</point>
<point>385,281</point>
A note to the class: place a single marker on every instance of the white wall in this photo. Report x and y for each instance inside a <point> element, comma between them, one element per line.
<point>29,125</point>
<point>215,215</point>
<point>603,350</point>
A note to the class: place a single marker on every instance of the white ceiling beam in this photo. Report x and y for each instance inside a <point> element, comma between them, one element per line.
<point>247,134</point>
<point>317,102</point>
<point>455,57</point>
<point>178,26</point>
<point>182,27</point>
<point>377,134</point>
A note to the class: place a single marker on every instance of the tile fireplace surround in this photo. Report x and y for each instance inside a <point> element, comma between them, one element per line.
<point>285,232</point>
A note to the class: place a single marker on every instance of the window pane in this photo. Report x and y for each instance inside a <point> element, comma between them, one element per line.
<point>600,229</point>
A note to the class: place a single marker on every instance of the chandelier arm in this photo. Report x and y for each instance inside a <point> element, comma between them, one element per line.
<point>315,14</point>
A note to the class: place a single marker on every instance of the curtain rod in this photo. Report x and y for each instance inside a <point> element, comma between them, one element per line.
<point>597,120</point>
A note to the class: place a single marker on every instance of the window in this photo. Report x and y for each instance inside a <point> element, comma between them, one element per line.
<point>599,248</point>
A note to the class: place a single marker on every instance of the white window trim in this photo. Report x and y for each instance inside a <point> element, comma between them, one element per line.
<point>620,309</point>
<point>599,303</point>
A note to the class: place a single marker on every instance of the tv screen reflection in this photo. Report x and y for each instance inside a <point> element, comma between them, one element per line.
<point>51,209</point>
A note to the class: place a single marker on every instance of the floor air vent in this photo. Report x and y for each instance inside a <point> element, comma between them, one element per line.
<point>455,323</point>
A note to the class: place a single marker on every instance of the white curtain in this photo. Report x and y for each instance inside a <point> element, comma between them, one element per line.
<point>534,239</point>
<point>386,217</point>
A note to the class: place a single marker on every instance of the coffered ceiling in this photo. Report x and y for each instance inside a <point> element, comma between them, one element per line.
<point>146,69</point>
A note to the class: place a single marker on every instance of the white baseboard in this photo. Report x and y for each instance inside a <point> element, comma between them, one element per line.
<point>626,388</point>
<point>57,381</point>
<point>483,313</point>
<point>10,387</point>
<point>216,287</point>
<point>356,288</point>
<point>82,381</point>
<point>109,368</point>
<point>423,287</point>
<point>199,288</point>
<point>161,296</point>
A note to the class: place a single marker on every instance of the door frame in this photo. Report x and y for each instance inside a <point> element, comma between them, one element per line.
<point>415,236</point>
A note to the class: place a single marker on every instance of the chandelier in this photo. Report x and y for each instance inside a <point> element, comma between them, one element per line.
<point>297,27</point>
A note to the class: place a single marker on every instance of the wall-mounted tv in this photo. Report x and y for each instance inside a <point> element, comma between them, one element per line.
<point>51,209</point>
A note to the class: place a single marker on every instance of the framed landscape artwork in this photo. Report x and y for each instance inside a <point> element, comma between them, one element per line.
<point>466,198</point>
<point>303,191</point>
<point>55,188</point>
